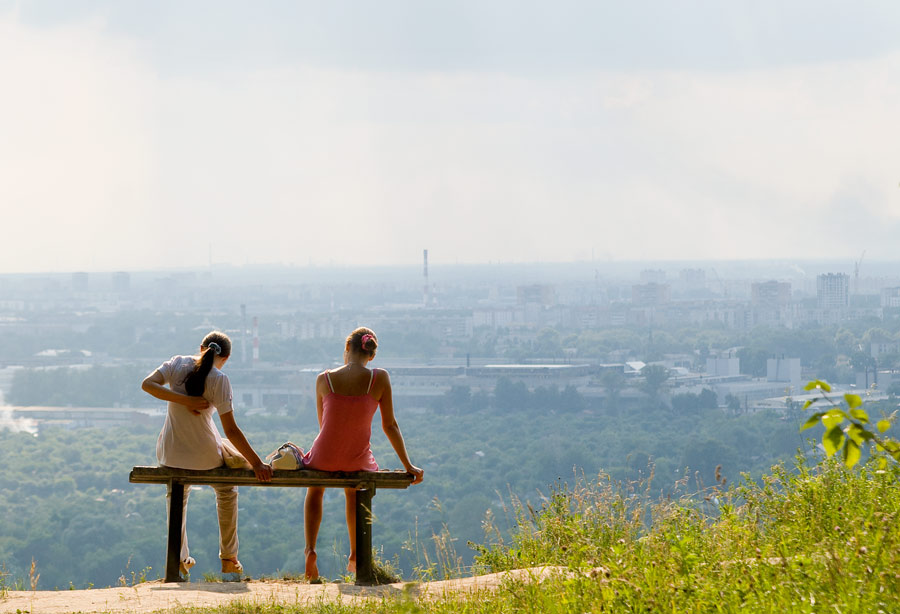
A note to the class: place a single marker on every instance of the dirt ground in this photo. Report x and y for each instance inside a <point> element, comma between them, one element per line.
<point>159,596</point>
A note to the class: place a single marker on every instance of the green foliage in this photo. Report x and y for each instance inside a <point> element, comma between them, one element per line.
<point>84,523</point>
<point>513,395</point>
<point>802,540</point>
<point>789,542</point>
<point>689,402</point>
<point>655,378</point>
<point>847,427</point>
<point>733,403</point>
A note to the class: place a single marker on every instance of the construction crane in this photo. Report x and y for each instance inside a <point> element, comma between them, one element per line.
<point>719,281</point>
<point>856,272</point>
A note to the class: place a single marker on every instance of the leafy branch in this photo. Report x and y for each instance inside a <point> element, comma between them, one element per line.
<point>850,430</point>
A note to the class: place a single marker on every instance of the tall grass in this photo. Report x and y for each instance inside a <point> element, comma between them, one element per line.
<point>797,540</point>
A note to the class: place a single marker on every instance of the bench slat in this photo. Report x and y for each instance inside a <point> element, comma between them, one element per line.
<point>280,477</point>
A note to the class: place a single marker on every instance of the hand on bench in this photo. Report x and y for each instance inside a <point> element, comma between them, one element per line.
<point>263,472</point>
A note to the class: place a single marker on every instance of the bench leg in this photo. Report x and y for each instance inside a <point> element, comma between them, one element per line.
<point>365,568</point>
<point>173,549</point>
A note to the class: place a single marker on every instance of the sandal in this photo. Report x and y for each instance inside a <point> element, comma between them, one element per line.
<point>232,566</point>
<point>185,565</point>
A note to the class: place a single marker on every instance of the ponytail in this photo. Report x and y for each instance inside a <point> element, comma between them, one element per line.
<point>214,344</point>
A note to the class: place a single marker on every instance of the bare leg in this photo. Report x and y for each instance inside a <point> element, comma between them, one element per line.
<point>312,519</point>
<point>350,508</point>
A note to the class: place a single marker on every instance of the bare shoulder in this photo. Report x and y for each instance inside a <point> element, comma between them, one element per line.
<point>321,380</point>
<point>382,382</point>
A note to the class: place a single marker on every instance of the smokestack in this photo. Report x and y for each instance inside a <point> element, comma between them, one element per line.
<point>243,334</point>
<point>425,296</point>
<point>255,339</point>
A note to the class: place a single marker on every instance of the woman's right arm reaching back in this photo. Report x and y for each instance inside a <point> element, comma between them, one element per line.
<point>155,385</point>
<point>392,430</point>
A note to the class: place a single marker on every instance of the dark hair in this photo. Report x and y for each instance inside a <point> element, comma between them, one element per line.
<point>214,344</point>
<point>363,341</point>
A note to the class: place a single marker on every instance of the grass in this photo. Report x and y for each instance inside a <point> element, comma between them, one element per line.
<point>796,541</point>
<point>801,539</point>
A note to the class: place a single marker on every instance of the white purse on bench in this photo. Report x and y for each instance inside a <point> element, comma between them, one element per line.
<point>288,456</point>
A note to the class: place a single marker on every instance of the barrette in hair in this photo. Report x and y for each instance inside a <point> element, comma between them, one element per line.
<point>215,348</point>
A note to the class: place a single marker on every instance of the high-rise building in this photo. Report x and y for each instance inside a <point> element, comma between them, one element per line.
<point>653,276</point>
<point>770,293</point>
<point>650,294</point>
<point>833,291</point>
<point>541,294</point>
<point>693,279</point>
<point>890,297</point>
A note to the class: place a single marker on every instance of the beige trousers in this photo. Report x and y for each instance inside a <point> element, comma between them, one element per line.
<point>227,509</point>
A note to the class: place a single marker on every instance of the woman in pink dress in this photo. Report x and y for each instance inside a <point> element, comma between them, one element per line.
<point>346,400</point>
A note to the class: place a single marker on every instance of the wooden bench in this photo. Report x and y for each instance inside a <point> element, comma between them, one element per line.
<point>365,482</point>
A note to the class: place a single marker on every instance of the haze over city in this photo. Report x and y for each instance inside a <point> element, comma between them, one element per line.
<point>625,273</point>
<point>171,135</point>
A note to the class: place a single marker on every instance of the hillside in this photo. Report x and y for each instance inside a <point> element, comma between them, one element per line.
<point>83,524</point>
<point>805,539</point>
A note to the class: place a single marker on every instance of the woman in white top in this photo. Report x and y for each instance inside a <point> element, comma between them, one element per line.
<point>190,440</point>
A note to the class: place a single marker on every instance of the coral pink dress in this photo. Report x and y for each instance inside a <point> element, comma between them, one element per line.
<point>343,441</point>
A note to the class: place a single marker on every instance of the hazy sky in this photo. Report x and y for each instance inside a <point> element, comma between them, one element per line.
<point>147,135</point>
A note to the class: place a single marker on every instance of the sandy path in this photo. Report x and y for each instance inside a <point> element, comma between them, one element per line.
<point>159,596</point>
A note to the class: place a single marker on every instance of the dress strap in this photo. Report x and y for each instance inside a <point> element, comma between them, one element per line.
<point>371,381</point>
<point>328,377</point>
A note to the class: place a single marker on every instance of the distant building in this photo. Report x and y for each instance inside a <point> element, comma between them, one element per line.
<point>883,346</point>
<point>833,291</point>
<point>770,293</point>
<point>723,367</point>
<point>734,316</point>
<point>783,370</point>
<point>874,379</point>
<point>540,294</point>
<point>693,279</point>
<point>83,417</point>
<point>495,318</point>
<point>649,294</point>
<point>653,276</point>
<point>890,297</point>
